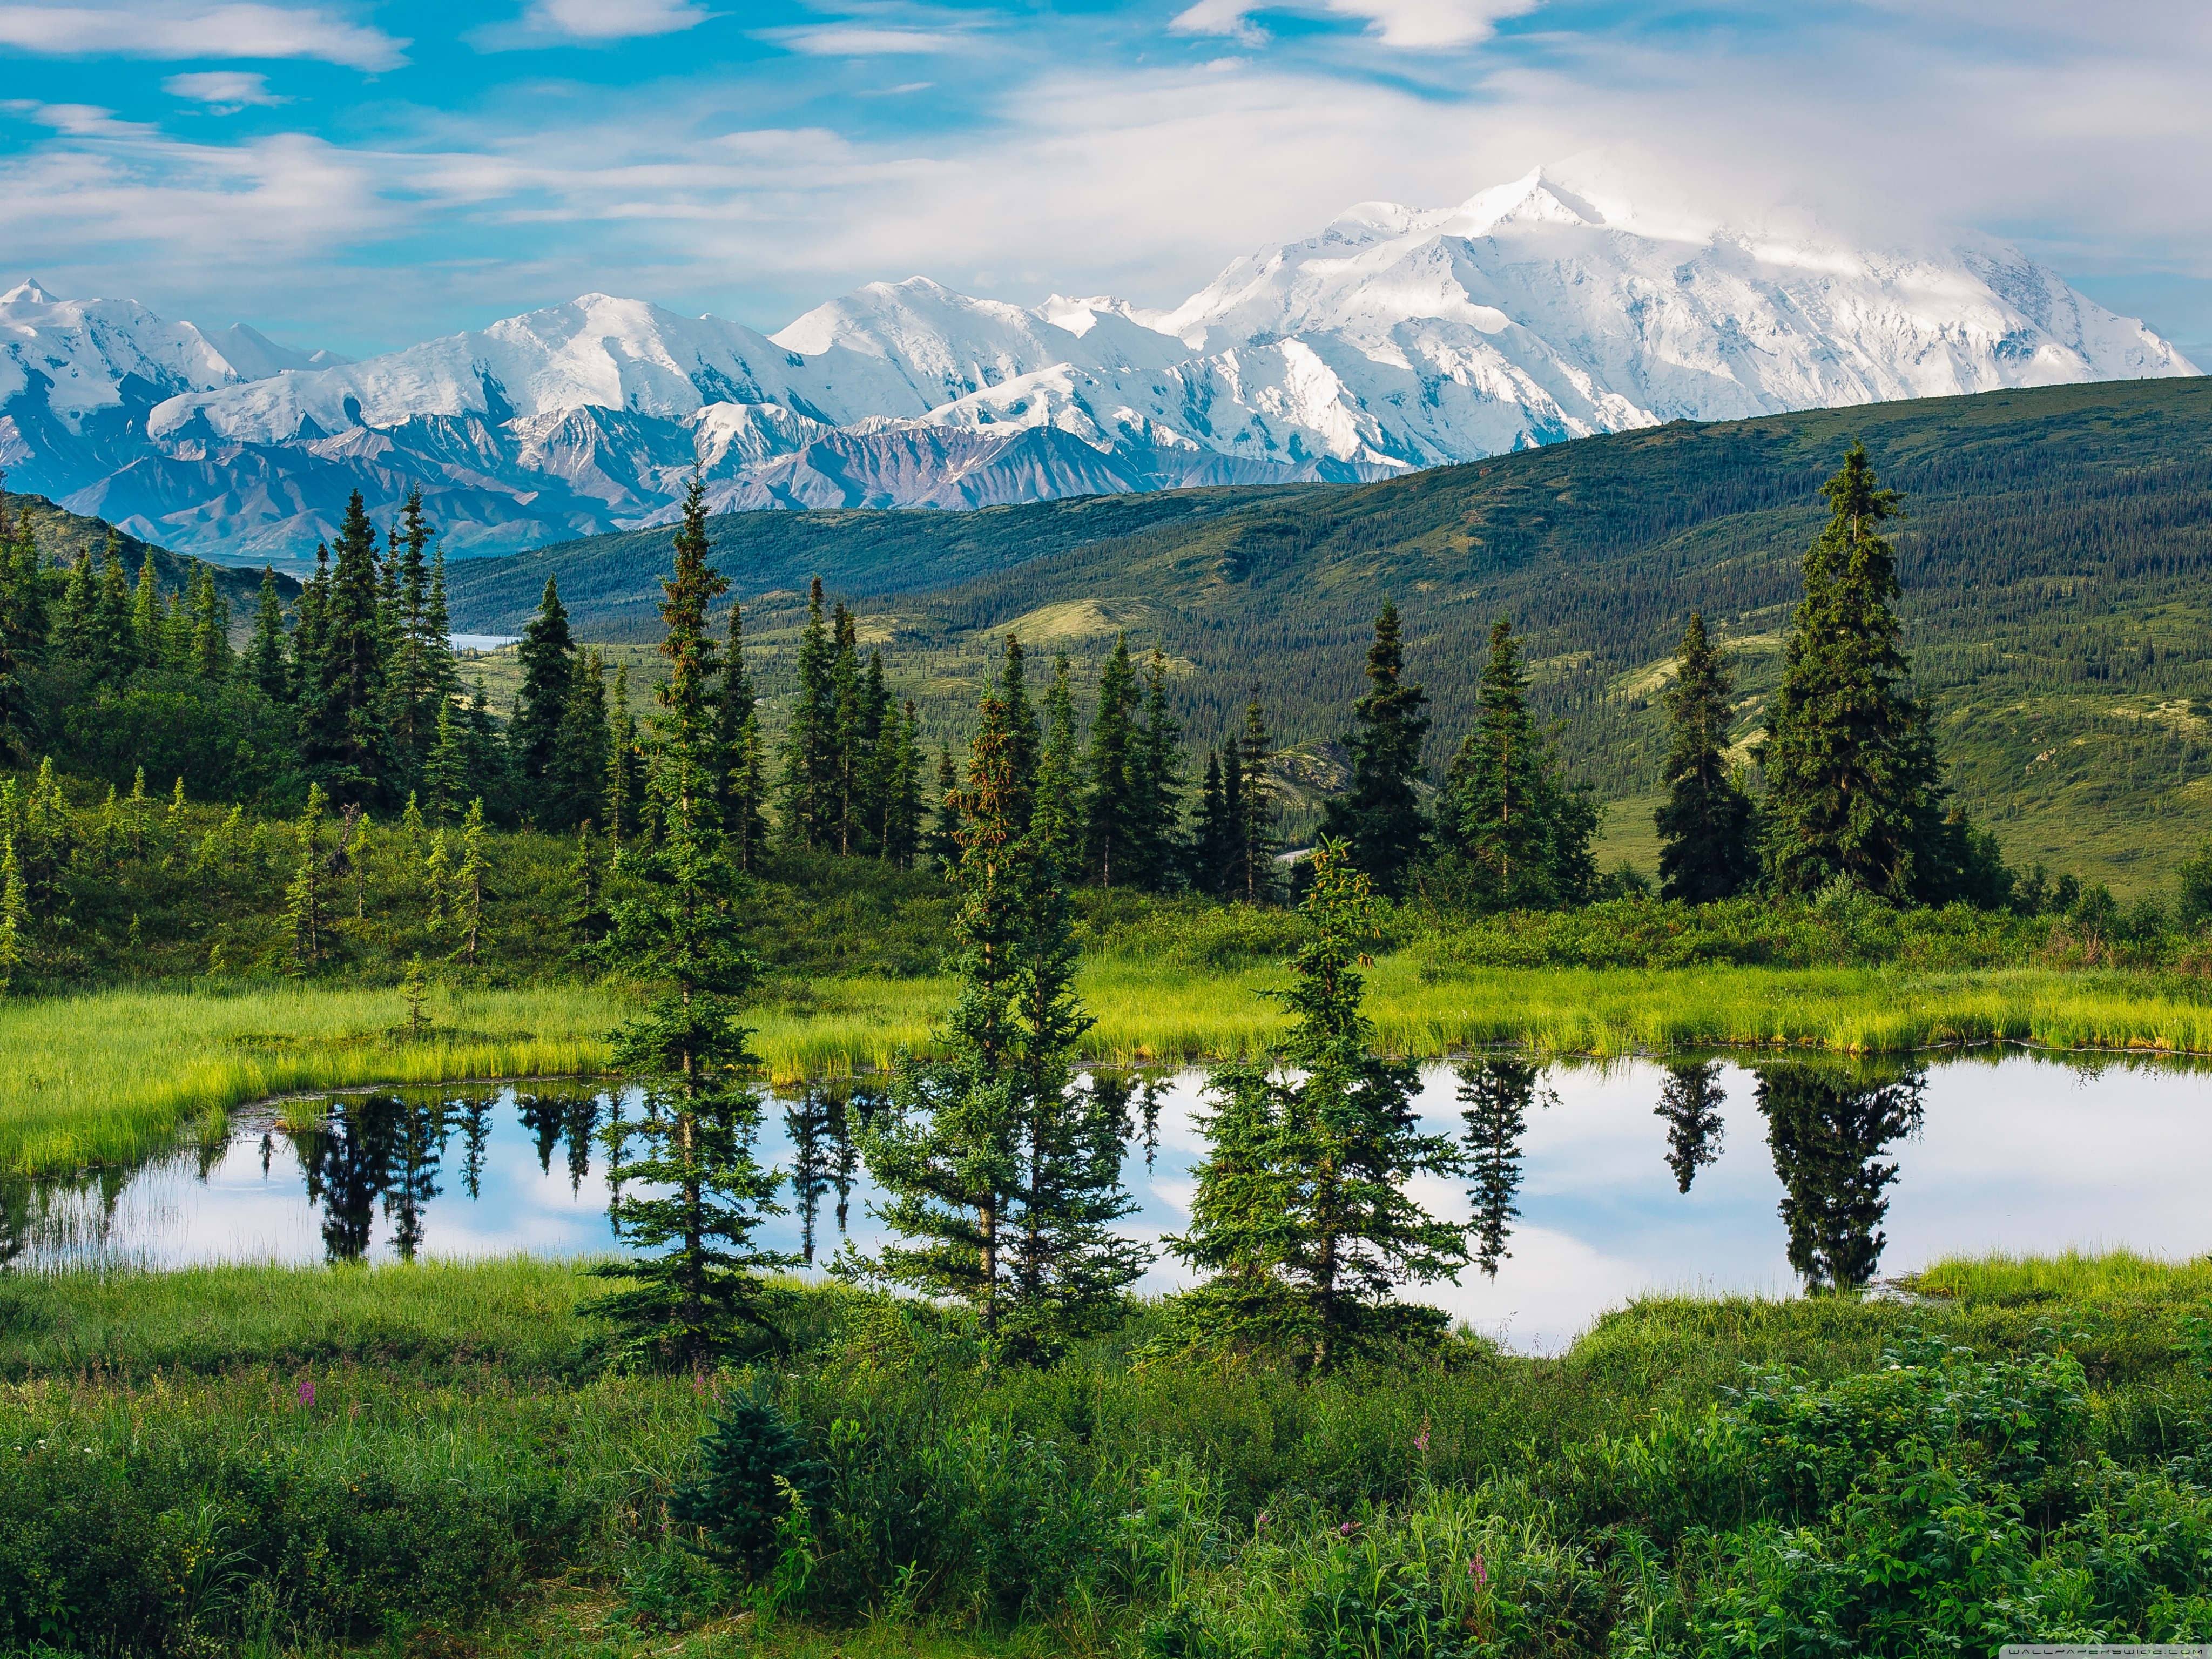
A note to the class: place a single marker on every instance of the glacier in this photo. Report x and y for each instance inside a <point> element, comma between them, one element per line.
<point>1393,339</point>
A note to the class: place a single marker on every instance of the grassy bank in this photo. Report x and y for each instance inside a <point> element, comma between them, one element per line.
<point>427,1459</point>
<point>109,1076</point>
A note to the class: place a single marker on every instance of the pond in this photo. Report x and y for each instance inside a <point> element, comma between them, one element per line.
<point>1599,1183</point>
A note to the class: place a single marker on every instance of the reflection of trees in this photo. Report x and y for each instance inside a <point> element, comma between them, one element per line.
<point>542,1115</point>
<point>1690,1100</point>
<point>347,1161</point>
<point>1827,1128</point>
<point>419,1145</point>
<point>475,1136</point>
<point>54,1217</point>
<point>1494,1097</point>
<point>807,1122</point>
<point>579,1118</point>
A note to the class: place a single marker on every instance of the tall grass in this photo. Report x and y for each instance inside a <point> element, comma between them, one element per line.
<point>109,1077</point>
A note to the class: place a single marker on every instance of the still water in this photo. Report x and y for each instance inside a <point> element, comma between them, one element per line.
<point>1601,1183</point>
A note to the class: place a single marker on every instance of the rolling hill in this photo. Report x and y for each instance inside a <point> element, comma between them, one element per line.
<point>2055,560</point>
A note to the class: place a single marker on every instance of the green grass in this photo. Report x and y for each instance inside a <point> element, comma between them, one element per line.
<point>107,1077</point>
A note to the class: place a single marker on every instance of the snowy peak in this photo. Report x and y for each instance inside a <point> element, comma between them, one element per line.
<point>1395,337</point>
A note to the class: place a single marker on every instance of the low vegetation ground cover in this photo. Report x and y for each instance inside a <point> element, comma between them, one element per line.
<point>432,1459</point>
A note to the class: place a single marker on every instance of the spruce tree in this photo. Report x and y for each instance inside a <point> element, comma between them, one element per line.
<point>1380,815</point>
<point>548,656</point>
<point>849,738</point>
<point>308,628</point>
<point>689,1188</point>
<point>1853,788</point>
<point>1112,831</point>
<point>75,628</point>
<point>744,753</point>
<point>619,785</point>
<point>1215,848</point>
<point>1494,1095</point>
<point>114,648</point>
<point>580,760</point>
<point>23,630</point>
<point>942,844</point>
<point>469,886</point>
<point>416,683</point>
<point>1520,834</point>
<point>1302,1218</point>
<point>446,771</point>
<point>15,916</point>
<point>1251,805</point>
<point>344,740</point>
<point>148,619</point>
<point>809,738</point>
<point>445,672</point>
<point>1025,745</point>
<point>1158,781</point>
<point>1706,839</point>
<point>1057,808</point>
<point>585,915</point>
<point>264,655</point>
<point>211,654</point>
<point>307,916</point>
<point>1690,1100</point>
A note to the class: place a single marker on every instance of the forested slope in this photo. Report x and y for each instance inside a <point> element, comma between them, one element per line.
<point>2054,561</point>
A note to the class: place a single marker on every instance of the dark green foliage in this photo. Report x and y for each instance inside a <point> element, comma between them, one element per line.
<point>264,657</point>
<point>1113,823</point>
<point>690,1189</point>
<point>1248,802</point>
<point>752,1465</point>
<point>744,753</point>
<point>576,779</point>
<point>343,741</point>
<point>1301,1216</point>
<point>1514,835</point>
<point>549,660</point>
<point>1380,815</point>
<point>1853,787</point>
<point>810,761</point>
<point>1156,785</point>
<point>1707,846</point>
<point>941,845</point>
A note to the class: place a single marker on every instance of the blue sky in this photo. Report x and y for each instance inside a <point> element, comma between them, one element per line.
<point>363,176</point>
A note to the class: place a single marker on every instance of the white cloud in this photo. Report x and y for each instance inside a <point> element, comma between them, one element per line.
<point>223,91</point>
<point>549,21</point>
<point>173,31</point>
<point>1402,23</point>
<point>838,40</point>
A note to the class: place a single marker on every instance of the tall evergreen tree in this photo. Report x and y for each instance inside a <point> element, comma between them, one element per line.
<point>1690,1100</point>
<point>446,769</point>
<point>114,649</point>
<point>1494,1095</point>
<point>309,628</point>
<point>1250,803</point>
<point>148,619</point>
<point>417,685</point>
<point>445,673</point>
<point>211,654</point>
<point>1380,815</point>
<point>549,658</point>
<point>1705,838</point>
<point>1158,782</point>
<point>74,630</point>
<point>809,738</point>
<point>264,654</point>
<point>1025,750</point>
<point>1523,836</point>
<point>620,785</point>
<point>23,630</point>
<point>580,757</point>
<point>849,736</point>
<point>1827,1130</point>
<point>1218,843</point>
<point>1112,831</point>
<point>344,737</point>
<point>744,753</point>
<point>1302,1218</point>
<point>692,1190</point>
<point>1853,788</point>
<point>941,846</point>
<point>1058,806</point>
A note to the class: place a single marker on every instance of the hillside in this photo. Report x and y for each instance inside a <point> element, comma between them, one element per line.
<point>62,537</point>
<point>2054,558</point>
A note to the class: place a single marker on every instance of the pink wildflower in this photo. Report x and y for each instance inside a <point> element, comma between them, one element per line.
<point>306,1391</point>
<point>1476,1568</point>
<point>1347,1529</point>
<point>1421,1440</point>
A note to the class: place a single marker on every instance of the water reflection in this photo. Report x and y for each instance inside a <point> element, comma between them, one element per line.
<point>1494,1097</point>
<point>1691,1101</point>
<point>1828,1128</point>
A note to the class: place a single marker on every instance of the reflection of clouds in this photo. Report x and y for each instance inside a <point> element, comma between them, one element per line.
<point>2023,1156</point>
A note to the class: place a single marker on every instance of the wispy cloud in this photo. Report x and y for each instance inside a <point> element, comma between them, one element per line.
<point>563,22</point>
<point>173,31</point>
<point>225,91</point>
<point>1402,23</point>
<point>848,40</point>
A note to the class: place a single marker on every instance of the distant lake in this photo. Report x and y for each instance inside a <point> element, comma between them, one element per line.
<point>482,641</point>
<point>1881,1168</point>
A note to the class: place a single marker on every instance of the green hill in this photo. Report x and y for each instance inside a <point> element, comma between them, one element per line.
<point>62,537</point>
<point>2054,561</point>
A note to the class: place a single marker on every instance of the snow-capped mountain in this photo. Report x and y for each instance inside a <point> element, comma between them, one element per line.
<point>1395,338</point>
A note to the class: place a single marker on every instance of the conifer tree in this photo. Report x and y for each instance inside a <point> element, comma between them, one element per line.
<point>586,917</point>
<point>810,740</point>
<point>264,654</point>
<point>1251,807</point>
<point>1380,815</point>
<point>15,916</point>
<point>172,826</point>
<point>114,649</point>
<point>487,754</point>
<point>1690,1100</point>
<point>744,753</point>
<point>445,772</point>
<point>1158,848</point>
<point>148,619</point>
<point>137,811</point>
<point>1232,876</point>
<point>1706,838</point>
<point>942,845</point>
<point>579,771</point>
<point>417,685</point>
<point>179,629</point>
<point>1000,1178</point>
<point>902,809</point>
<point>309,618</point>
<point>469,886</point>
<point>848,736</point>
<point>1058,809</point>
<point>1853,788</point>
<point>76,630</point>
<point>694,1191</point>
<point>23,630</point>
<point>411,827</point>
<point>548,657</point>
<point>880,769</point>
<point>210,654</point>
<point>437,883</point>
<point>1523,836</point>
<point>306,919</point>
<point>1025,744</point>
<point>1302,1216</point>
<point>1112,831</point>
<point>1217,846</point>
<point>344,740</point>
<point>445,672</point>
<point>619,785</point>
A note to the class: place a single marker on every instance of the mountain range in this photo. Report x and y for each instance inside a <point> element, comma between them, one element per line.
<point>1394,340</point>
